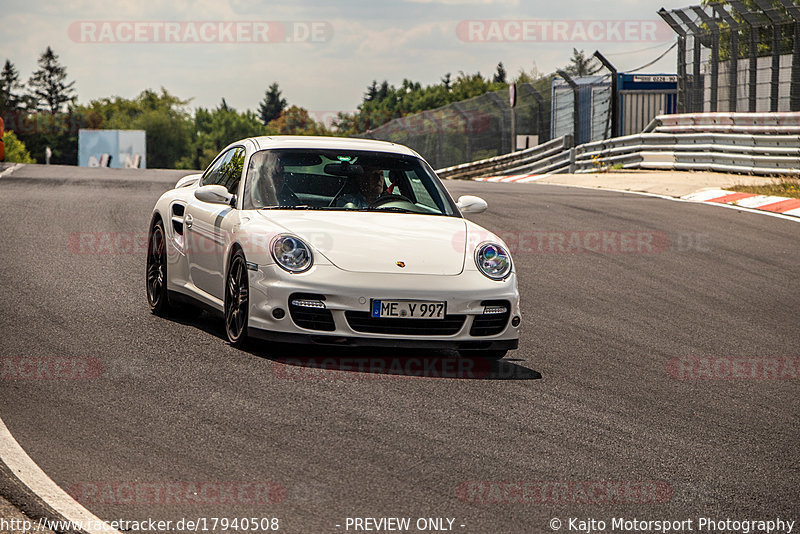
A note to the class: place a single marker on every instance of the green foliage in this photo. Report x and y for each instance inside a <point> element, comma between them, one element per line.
<point>48,87</point>
<point>9,83</point>
<point>296,121</point>
<point>213,130</point>
<point>15,149</point>
<point>163,116</point>
<point>763,34</point>
<point>580,65</point>
<point>500,75</point>
<point>273,105</point>
<point>384,102</point>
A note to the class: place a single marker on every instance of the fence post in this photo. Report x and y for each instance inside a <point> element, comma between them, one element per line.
<point>733,78</point>
<point>697,104</point>
<point>712,26</point>
<point>794,91</point>
<point>467,130</point>
<point>575,104</point>
<point>678,29</point>
<point>540,130</point>
<point>776,20</point>
<point>614,93</point>
<point>754,24</point>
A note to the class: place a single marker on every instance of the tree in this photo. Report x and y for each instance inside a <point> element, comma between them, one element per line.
<point>215,129</point>
<point>500,75</point>
<point>372,91</point>
<point>296,121</point>
<point>161,115</point>
<point>446,82</point>
<point>272,105</point>
<point>580,65</point>
<point>48,86</point>
<point>9,83</point>
<point>15,149</point>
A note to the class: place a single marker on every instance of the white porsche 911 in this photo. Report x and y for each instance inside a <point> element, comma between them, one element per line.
<point>333,241</point>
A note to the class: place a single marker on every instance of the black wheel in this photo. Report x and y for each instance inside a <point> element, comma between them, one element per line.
<point>236,299</point>
<point>486,354</point>
<point>157,295</point>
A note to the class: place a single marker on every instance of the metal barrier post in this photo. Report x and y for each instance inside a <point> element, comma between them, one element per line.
<point>614,90</point>
<point>712,26</point>
<point>697,104</point>
<point>544,135</point>
<point>733,79</point>
<point>678,29</point>
<point>794,95</point>
<point>776,19</point>
<point>575,104</point>
<point>754,24</point>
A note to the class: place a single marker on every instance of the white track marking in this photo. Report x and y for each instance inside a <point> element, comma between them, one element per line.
<point>10,170</point>
<point>36,480</point>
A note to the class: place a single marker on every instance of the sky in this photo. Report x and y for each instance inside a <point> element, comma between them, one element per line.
<point>323,54</point>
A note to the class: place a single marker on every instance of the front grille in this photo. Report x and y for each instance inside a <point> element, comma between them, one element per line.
<point>491,324</point>
<point>364,322</point>
<point>311,318</point>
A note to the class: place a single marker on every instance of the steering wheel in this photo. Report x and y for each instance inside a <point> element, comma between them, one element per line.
<point>385,198</point>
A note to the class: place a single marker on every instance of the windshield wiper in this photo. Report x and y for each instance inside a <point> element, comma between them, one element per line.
<point>394,209</point>
<point>301,207</point>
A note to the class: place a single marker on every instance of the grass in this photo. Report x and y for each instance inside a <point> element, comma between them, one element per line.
<point>785,186</point>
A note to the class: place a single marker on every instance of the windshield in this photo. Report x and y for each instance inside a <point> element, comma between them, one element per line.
<point>343,180</point>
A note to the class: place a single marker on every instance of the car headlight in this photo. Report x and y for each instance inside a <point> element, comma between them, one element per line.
<point>493,260</point>
<point>291,253</point>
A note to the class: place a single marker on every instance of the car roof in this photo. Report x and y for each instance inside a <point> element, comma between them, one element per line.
<point>336,143</point>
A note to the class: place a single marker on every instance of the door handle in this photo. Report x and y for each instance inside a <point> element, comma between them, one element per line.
<point>188,220</point>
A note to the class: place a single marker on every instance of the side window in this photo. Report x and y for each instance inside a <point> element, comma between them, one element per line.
<point>212,175</point>
<point>230,174</point>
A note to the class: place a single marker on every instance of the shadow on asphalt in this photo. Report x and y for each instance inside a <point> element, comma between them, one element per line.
<point>300,361</point>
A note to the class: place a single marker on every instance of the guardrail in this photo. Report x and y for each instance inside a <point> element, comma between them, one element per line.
<point>740,153</point>
<point>746,143</point>
<point>747,123</point>
<point>540,158</point>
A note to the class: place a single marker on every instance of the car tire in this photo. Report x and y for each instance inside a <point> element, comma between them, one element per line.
<point>237,294</point>
<point>156,273</point>
<point>485,354</point>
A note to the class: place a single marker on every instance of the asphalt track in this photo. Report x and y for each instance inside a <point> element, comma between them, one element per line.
<point>591,395</point>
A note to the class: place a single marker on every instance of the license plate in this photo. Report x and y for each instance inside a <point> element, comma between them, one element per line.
<point>408,309</point>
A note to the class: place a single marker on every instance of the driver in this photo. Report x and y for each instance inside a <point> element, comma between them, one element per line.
<point>369,186</point>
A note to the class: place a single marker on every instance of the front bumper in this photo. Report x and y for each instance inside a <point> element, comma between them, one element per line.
<point>343,291</point>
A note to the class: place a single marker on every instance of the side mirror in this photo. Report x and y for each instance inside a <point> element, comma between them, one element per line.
<point>471,204</point>
<point>214,194</point>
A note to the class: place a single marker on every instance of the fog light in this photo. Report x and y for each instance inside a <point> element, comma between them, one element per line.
<point>278,313</point>
<point>515,321</point>
<point>494,310</point>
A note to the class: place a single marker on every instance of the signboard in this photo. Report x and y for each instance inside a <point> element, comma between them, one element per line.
<point>655,78</point>
<point>117,149</point>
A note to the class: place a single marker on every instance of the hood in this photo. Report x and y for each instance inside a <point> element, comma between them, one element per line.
<point>374,242</point>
